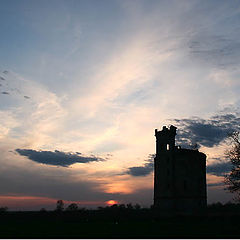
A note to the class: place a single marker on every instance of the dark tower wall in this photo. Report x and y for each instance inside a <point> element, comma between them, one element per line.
<point>179,175</point>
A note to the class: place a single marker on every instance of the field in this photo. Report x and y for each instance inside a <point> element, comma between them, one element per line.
<point>97,224</point>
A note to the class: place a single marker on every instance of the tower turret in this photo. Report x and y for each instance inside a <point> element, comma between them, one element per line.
<point>165,139</point>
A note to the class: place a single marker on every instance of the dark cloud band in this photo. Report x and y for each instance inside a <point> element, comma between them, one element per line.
<point>56,158</point>
<point>144,170</point>
<point>219,168</point>
<point>206,132</point>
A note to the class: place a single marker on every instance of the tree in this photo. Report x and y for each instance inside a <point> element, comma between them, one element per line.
<point>122,206</point>
<point>137,206</point>
<point>129,206</point>
<point>3,209</point>
<point>232,180</point>
<point>60,206</point>
<point>72,207</point>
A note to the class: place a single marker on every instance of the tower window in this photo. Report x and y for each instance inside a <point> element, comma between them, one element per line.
<point>167,146</point>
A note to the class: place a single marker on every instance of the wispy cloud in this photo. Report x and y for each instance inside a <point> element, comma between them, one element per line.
<point>217,50</point>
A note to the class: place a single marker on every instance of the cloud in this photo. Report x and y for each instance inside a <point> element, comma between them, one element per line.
<point>109,146</point>
<point>56,158</point>
<point>39,114</point>
<point>217,50</point>
<point>13,85</point>
<point>219,168</point>
<point>140,171</point>
<point>144,170</point>
<point>206,132</point>
<point>216,184</point>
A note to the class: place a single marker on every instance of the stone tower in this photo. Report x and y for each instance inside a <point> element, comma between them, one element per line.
<point>179,175</point>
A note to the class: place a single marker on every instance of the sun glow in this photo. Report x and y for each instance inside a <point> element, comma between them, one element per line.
<point>111,202</point>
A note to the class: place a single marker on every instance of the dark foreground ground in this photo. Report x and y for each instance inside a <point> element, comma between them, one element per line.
<point>120,224</point>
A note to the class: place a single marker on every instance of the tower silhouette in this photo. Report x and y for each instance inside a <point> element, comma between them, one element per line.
<point>179,175</point>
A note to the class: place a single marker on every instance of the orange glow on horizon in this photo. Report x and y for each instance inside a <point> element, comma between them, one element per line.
<point>111,202</point>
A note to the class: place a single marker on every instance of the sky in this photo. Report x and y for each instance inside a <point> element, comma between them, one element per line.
<point>85,83</point>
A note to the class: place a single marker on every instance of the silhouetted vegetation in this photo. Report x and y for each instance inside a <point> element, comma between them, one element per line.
<point>233,179</point>
<point>43,210</point>
<point>72,207</point>
<point>221,209</point>
<point>3,209</point>
<point>60,206</point>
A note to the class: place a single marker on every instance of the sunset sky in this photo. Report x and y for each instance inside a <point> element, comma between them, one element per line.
<point>84,84</point>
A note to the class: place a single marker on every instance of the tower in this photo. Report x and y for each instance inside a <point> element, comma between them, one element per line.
<point>179,175</point>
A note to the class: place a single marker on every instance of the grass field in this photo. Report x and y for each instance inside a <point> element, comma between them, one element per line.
<point>78,225</point>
